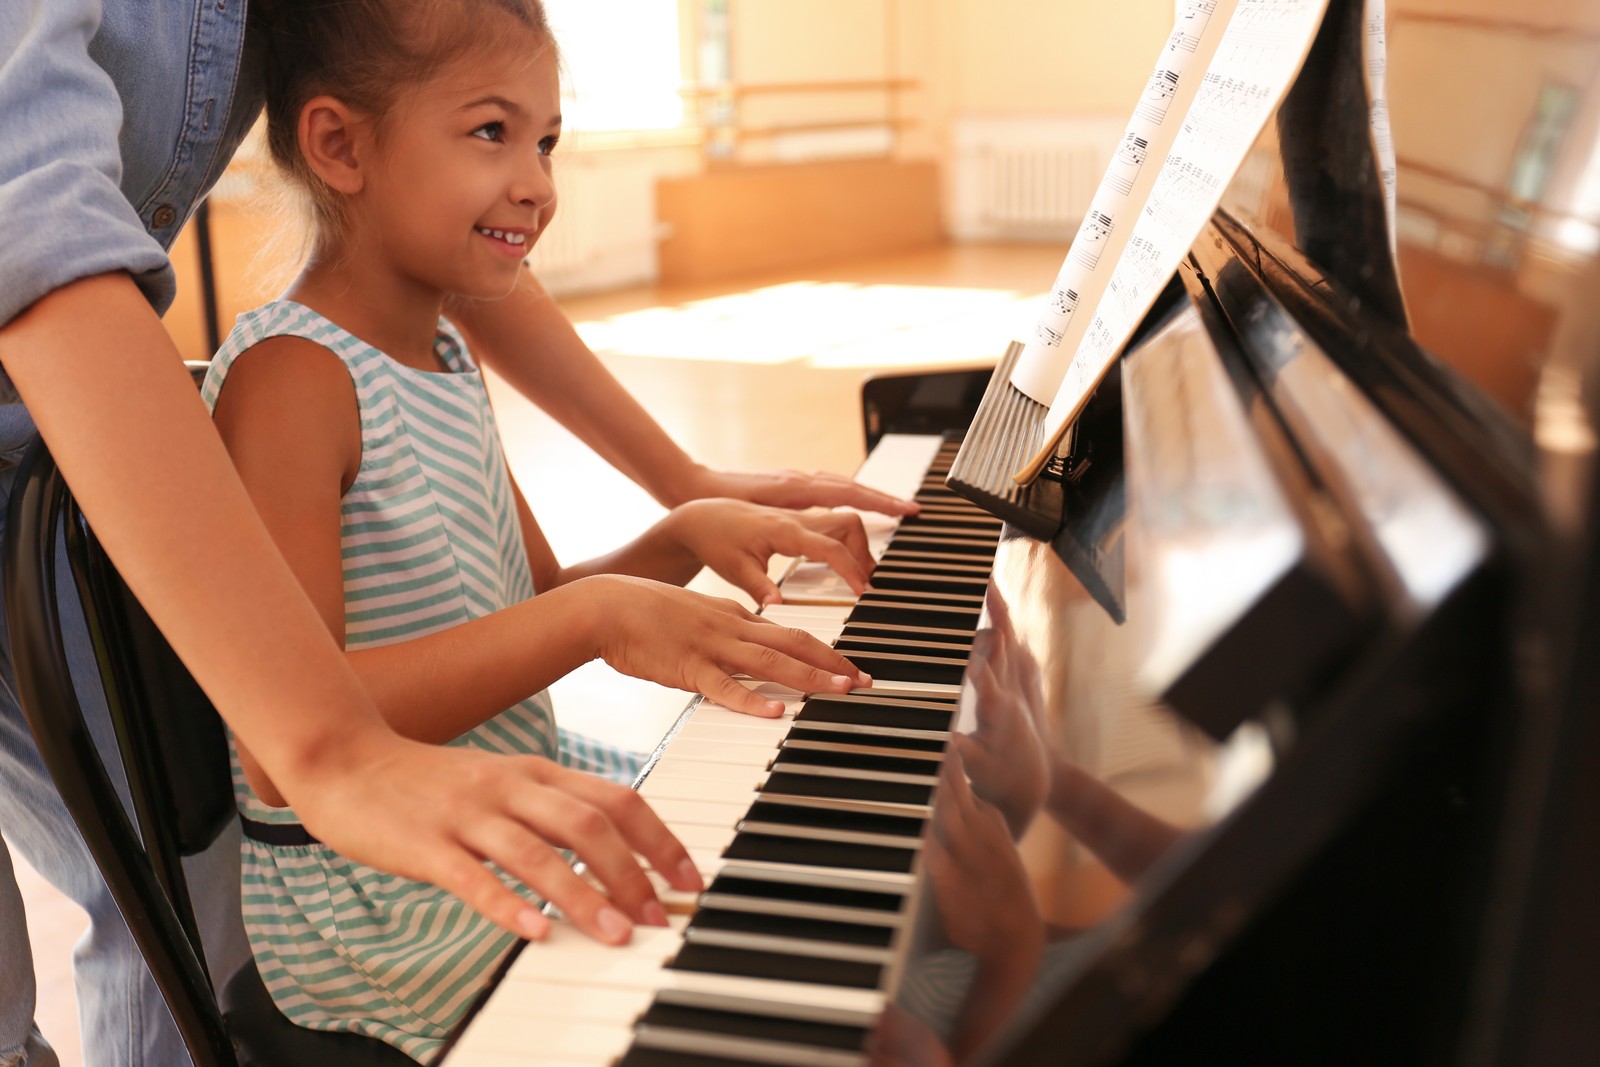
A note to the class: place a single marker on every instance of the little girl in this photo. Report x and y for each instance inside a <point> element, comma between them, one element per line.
<point>422,131</point>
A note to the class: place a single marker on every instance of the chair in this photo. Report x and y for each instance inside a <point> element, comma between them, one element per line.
<point>172,746</point>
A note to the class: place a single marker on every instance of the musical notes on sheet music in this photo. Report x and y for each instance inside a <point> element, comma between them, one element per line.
<point>1245,55</point>
<point>1196,32</point>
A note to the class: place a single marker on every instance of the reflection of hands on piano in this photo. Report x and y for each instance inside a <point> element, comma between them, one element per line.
<point>985,903</point>
<point>696,643</point>
<point>1006,756</point>
<point>736,539</point>
<point>794,489</point>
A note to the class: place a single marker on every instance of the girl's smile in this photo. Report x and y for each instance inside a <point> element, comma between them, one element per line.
<point>513,243</point>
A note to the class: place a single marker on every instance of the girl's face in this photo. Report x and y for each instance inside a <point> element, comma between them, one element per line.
<point>460,187</point>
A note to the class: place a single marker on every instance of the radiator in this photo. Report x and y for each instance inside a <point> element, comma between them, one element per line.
<point>1027,181</point>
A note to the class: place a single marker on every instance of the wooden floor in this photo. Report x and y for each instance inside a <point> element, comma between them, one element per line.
<point>760,375</point>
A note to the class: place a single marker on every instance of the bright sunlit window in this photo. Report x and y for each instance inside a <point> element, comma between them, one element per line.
<point>621,63</point>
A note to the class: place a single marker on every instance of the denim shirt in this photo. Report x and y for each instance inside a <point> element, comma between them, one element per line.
<point>115,118</point>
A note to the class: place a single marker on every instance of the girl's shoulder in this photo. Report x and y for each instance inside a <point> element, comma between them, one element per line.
<point>281,348</point>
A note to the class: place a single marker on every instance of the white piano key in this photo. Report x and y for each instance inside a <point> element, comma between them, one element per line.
<point>570,998</point>
<point>674,765</point>
<point>774,996</point>
<point>755,732</point>
<point>717,751</point>
<point>675,812</point>
<point>713,714</point>
<point>519,1041</point>
<point>703,836</point>
<point>688,787</point>
<point>898,462</point>
<point>776,1053</point>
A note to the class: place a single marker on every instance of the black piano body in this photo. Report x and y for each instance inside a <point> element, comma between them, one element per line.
<point>1312,647</point>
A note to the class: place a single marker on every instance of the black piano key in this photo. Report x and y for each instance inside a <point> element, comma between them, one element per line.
<point>745,922</point>
<point>885,578</point>
<point>952,545</point>
<point>887,902</point>
<point>934,747</point>
<point>901,667</point>
<point>768,848</point>
<point>825,818</point>
<point>877,641</point>
<point>759,1027</point>
<point>749,963</point>
<point>906,715</point>
<point>869,765</point>
<point>811,785</point>
<point>871,608</point>
<point>868,628</point>
<point>934,562</point>
<point>658,1057</point>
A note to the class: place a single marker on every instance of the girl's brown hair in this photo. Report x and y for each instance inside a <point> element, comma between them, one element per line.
<point>365,53</point>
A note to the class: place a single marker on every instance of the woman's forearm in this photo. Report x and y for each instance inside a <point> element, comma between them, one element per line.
<point>124,422</point>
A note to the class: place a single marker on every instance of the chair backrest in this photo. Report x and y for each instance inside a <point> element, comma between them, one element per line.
<point>169,737</point>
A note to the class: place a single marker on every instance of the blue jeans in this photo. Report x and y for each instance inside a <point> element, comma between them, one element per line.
<point>124,1021</point>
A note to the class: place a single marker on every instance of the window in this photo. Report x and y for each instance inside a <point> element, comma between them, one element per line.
<point>621,63</point>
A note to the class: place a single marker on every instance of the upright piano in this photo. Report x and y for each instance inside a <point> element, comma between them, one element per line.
<point>1265,732</point>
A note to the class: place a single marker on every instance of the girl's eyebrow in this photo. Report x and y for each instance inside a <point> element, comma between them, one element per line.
<point>510,106</point>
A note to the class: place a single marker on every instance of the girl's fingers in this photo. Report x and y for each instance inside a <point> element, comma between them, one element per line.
<point>644,833</point>
<point>721,687</point>
<point>838,556</point>
<point>458,872</point>
<point>794,658</point>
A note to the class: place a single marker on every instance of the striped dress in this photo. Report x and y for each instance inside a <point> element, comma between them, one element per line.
<point>430,539</point>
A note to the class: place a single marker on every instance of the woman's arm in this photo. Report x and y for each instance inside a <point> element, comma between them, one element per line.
<point>123,420</point>
<point>529,341</point>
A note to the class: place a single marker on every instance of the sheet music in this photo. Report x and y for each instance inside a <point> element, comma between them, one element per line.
<point>1196,32</point>
<point>1377,56</point>
<point>1254,58</point>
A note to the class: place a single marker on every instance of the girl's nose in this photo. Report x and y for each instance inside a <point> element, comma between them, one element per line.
<point>535,186</point>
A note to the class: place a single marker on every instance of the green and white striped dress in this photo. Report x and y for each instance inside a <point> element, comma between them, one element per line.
<point>430,539</point>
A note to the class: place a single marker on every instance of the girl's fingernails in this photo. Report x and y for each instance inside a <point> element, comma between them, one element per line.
<point>775,707</point>
<point>689,874</point>
<point>533,925</point>
<point>841,681</point>
<point>654,914</point>
<point>614,926</point>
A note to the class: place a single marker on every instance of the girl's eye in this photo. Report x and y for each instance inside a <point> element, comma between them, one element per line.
<point>491,131</point>
<point>548,145</point>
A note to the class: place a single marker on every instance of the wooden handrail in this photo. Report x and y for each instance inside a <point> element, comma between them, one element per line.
<point>778,88</point>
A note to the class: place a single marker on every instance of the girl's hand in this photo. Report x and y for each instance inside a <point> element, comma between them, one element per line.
<point>736,539</point>
<point>439,814</point>
<point>794,489</point>
<point>672,636</point>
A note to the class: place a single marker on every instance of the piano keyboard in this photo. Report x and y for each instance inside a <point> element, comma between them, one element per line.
<point>807,830</point>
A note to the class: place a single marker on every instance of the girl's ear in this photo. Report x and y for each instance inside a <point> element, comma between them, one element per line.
<point>333,139</point>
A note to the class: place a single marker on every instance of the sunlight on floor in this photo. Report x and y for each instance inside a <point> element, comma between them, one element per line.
<point>821,324</point>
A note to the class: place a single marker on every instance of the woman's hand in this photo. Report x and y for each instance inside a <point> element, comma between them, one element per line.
<point>792,489</point>
<point>736,539</point>
<point>439,814</point>
<point>697,643</point>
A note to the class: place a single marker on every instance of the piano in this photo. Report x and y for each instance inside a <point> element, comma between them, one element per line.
<point>1264,732</point>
